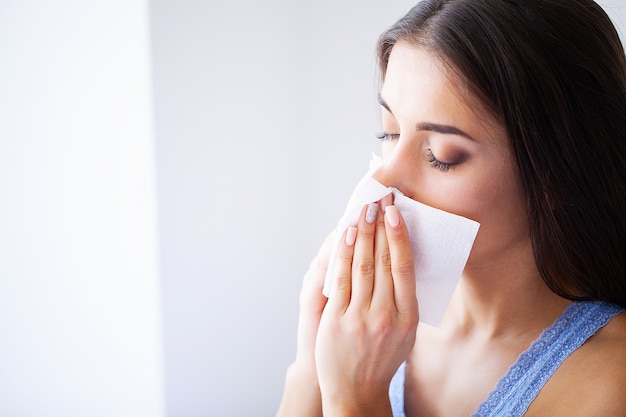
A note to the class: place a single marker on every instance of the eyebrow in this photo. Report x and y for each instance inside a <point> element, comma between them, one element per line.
<point>443,129</point>
<point>431,127</point>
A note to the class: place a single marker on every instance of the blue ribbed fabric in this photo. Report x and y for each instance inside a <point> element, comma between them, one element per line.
<point>525,378</point>
<point>522,382</point>
<point>396,392</point>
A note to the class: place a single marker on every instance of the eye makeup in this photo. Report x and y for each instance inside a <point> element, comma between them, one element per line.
<point>436,163</point>
<point>442,164</point>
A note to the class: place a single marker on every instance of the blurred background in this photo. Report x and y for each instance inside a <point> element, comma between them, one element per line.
<point>168,169</point>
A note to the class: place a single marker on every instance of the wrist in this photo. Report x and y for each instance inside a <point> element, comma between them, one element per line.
<point>302,375</point>
<point>363,405</point>
<point>301,396</point>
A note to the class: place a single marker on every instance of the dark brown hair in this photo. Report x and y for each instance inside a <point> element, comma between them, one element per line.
<point>554,73</point>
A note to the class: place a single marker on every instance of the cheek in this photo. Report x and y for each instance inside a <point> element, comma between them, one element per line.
<point>499,208</point>
<point>499,196</point>
<point>456,198</point>
<point>493,198</point>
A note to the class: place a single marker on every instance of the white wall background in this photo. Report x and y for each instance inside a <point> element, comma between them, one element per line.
<point>265,119</point>
<point>233,132</point>
<point>80,327</point>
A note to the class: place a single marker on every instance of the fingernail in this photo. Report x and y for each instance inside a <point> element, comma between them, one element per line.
<point>392,216</point>
<point>386,201</point>
<point>351,236</point>
<point>372,212</point>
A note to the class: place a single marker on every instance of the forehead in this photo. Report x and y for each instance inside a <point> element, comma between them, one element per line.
<point>412,68</point>
<point>419,85</point>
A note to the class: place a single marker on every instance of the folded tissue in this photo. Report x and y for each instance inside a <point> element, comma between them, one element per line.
<point>440,242</point>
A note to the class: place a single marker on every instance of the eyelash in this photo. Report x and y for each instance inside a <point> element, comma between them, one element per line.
<point>430,157</point>
<point>387,136</point>
<point>436,163</point>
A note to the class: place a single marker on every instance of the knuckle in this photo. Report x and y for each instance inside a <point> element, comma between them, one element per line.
<point>342,282</point>
<point>366,268</point>
<point>367,232</point>
<point>345,256</point>
<point>356,328</point>
<point>385,259</point>
<point>383,324</point>
<point>404,268</point>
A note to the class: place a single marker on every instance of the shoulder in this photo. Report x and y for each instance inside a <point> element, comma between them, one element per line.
<point>606,365</point>
<point>592,380</point>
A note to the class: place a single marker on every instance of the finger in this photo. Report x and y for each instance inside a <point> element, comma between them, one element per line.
<point>311,298</point>
<point>383,282</point>
<point>312,302</point>
<point>340,293</point>
<point>363,263</point>
<point>402,263</point>
<point>386,201</point>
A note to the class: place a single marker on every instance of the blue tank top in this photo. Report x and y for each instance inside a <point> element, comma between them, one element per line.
<point>522,382</point>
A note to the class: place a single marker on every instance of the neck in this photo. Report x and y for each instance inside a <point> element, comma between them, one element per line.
<point>502,299</point>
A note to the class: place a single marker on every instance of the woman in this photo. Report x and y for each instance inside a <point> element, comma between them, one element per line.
<point>510,113</point>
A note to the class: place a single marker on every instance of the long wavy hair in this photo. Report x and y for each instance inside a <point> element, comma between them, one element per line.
<point>554,73</point>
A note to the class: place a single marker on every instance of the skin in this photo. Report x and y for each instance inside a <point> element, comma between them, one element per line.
<point>344,364</point>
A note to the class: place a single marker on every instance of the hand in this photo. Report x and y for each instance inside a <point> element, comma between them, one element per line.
<point>312,303</point>
<point>369,323</point>
<point>302,394</point>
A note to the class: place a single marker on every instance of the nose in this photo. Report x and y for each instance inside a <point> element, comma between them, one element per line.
<point>397,171</point>
<point>385,175</point>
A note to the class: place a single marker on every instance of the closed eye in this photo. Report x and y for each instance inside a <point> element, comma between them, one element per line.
<point>387,136</point>
<point>436,163</point>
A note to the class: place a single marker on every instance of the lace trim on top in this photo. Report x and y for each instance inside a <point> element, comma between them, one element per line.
<point>520,385</point>
<point>525,378</point>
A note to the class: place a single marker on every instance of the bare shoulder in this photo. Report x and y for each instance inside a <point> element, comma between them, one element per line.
<point>606,352</point>
<point>592,380</point>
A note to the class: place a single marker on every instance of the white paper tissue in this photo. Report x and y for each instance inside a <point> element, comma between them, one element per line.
<point>440,241</point>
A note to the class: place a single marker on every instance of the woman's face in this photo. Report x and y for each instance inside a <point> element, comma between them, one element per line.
<point>445,150</point>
